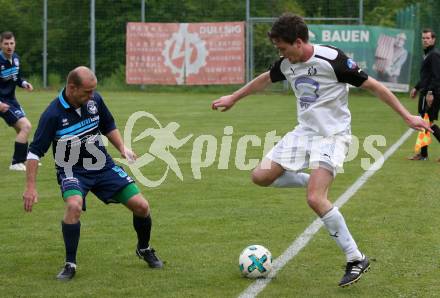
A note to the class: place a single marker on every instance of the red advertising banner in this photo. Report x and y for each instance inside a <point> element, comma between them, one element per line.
<point>185,53</point>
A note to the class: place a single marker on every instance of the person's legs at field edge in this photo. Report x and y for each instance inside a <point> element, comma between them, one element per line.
<point>423,155</point>
<point>436,134</point>
<point>433,116</point>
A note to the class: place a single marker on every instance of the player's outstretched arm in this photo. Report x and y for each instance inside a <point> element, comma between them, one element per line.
<point>258,84</point>
<point>390,99</point>
<point>30,195</point>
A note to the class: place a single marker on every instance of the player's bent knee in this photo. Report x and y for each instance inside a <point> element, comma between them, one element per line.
<point>139,206</point>
<point>142,210</point>
<point>260,179</point>
<point>25,126</point>
<point>73,208</point>
<point>313,201</point>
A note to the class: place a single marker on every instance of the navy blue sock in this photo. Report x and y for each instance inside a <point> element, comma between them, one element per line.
<point>142,225</point>
<point>20,152</point>
<point>71,234</point>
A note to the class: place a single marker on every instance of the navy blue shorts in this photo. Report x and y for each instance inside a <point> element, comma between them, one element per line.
<point>14,113</point>
<point>105,183</point>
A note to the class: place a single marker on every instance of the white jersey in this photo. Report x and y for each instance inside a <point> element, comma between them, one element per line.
<point>320,86</point>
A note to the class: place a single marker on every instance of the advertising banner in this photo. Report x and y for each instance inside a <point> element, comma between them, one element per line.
<point>384,53</point>
<point>185,53</point>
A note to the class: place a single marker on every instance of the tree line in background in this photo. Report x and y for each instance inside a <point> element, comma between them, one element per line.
<point>69,26</point>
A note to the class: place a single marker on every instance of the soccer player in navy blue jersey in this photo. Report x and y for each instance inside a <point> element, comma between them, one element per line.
<point>318,76</point>
<point>13,114</point>
<point>73,124</point>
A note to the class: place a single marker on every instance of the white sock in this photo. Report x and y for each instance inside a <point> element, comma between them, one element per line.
<point>335,224</point>
<point>291,179</point>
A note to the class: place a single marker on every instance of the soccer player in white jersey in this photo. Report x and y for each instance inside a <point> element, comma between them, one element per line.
<point>318,76</point>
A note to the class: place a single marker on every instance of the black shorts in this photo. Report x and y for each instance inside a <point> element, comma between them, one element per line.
<point>432,110</point>
<point>14,113</point>
<point>105,183</point>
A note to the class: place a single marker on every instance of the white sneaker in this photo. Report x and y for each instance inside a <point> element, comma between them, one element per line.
<point>18,167</point>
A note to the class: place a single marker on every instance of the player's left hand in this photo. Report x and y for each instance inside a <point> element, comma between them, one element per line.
<point>413,93</point>
<point>129,155</point>
<point>28,86</point>
<point>418,123</point>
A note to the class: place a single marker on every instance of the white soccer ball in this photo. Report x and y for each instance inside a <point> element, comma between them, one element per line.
<point>255,261</point>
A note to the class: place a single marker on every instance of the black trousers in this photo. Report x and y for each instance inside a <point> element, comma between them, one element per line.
<point>433,109</point>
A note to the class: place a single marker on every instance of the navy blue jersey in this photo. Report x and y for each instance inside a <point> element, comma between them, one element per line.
<point>76,137</point>
<point>10,76</point>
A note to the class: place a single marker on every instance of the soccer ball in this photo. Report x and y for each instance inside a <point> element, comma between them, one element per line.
<point>255,261</point>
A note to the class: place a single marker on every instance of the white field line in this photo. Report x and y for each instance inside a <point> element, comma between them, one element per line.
<point>256,287</point>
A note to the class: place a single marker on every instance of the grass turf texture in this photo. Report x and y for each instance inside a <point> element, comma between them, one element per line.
<point>201,226</point>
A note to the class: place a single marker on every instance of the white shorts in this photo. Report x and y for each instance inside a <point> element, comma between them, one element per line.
<point>296,153</point>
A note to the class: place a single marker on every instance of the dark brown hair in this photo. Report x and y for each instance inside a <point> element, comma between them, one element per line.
<point>429,30</point>
<point>288,28</point>
<point>6,35</point>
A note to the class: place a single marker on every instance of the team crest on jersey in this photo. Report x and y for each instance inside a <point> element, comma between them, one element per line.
<point>16,62</point>
<point>312,71</point>
<point>91,107</point>
<point>307,90</point>
<point>351,64</point>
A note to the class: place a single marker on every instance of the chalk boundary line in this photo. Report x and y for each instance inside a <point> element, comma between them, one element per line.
<point>256,287</point>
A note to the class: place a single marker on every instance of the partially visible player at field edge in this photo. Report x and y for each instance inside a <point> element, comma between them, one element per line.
<point>10,76</point>
<point>73,122</point>
<point>318,76</point>
<point>429,87</point>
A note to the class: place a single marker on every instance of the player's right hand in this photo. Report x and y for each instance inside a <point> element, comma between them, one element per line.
<point>226,102</point>
<point>4,107</point>
<point>417,123</point>
<point>28,86</point>
<point>129,155</point>
<point>30,197</point>
<point>413,93</point>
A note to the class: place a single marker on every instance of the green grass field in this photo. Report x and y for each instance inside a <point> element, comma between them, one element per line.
<point>201,225</point>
